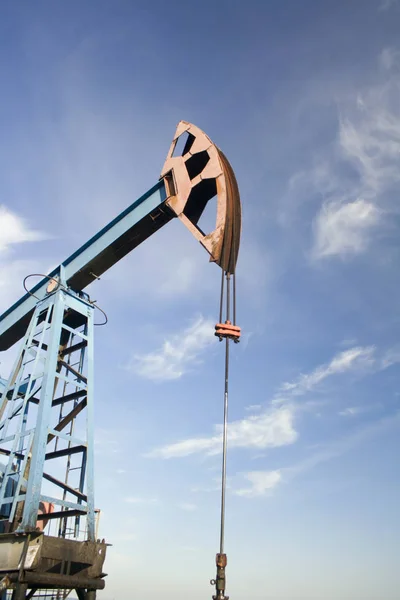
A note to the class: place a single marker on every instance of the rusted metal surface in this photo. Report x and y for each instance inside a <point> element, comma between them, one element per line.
<point>219,582</point>
<point>192,178</point>
<point>45,561</point>
<point>45,509</point>
<point>53,581</point>
<point>221,560</point>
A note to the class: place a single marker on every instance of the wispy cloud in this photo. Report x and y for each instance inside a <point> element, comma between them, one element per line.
<point>261,483</point>
<point>177,354</point>
<point>357,358</point>
<point>353,411</point>
<point>342,229</point>
<point>369,142</point>
<point>264,482</point>
<point>355,176</point>
<point>14,230</point>
<point>271,429</point>
<point>12,273</point>
<point>275,426</point>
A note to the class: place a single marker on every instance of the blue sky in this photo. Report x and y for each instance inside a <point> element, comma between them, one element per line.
<point>303,97</point>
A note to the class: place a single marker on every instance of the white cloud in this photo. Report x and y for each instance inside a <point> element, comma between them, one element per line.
<point>342,229</point>
<point>12,274</point>
<point>14,230</point>
<point>261,483</point>
<point>271,429</point>
<point>274,427</point>
<point>357,358</point>
<point>177,354</point>
<point>357,176</point>
<point>370,141</point>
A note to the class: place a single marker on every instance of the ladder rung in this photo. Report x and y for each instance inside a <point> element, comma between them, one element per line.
<point>15,454</point>
<point>64,486</point>
<point>75,347</point>
<point>65,452</point>
<point>78,408</point>
<point>69,397</point>
<point>73,371</point>
<point>60,514</point>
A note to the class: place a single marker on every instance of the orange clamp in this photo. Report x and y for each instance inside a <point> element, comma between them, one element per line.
<point>227,330</point>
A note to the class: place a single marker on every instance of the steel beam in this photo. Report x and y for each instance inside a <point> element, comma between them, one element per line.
<point>102,251</point>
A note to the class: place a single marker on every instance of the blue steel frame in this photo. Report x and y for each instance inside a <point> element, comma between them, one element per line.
<point>35,432</point>
<point>142,219</point>
<point>28,398</point>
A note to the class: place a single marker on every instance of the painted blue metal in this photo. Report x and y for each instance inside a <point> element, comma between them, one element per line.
<point>92,259</point>
<point>89,456</point>
<point>34,486</point>
<point>39,431</point>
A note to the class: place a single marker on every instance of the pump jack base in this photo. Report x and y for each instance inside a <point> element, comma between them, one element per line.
<point>36,561</point>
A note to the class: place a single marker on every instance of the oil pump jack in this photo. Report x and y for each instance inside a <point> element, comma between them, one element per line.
<point>48,535</point>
